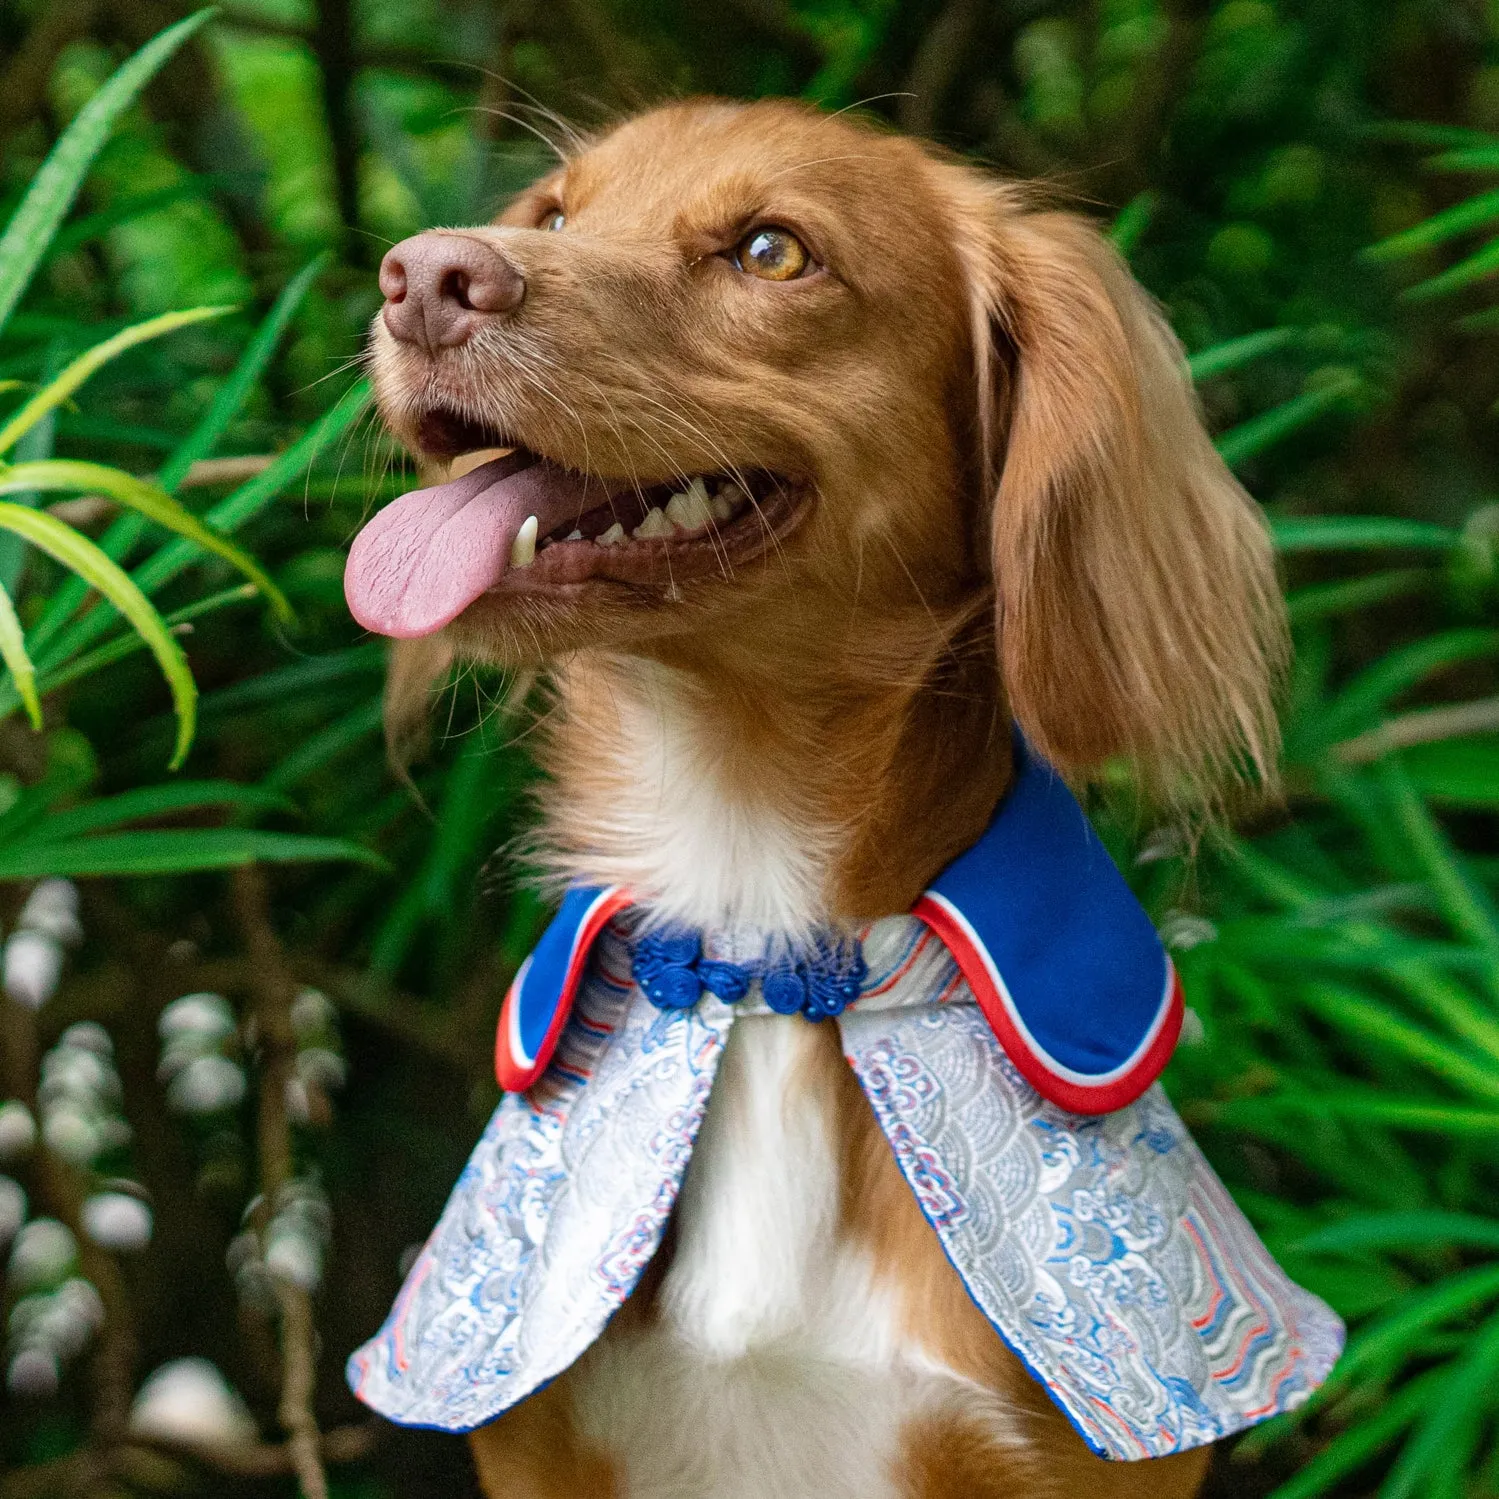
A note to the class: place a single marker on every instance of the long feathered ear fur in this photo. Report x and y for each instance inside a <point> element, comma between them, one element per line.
<point>1138,610</point>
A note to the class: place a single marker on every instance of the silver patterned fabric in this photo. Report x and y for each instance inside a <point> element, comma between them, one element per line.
<point>1104,1250</point>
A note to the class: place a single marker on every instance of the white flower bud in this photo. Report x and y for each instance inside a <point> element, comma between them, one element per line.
<point>188,1400</point>
<point>53,908</point>
<point>12,1208</point>
<point>43,1253</point>
<point>17,1130</point>
<point>206,1085</point>
<point>88,1035</point>
<point>207,1017</point>
<point>117,1221</point>
<point>293,1255</point>
<point>33,1374</point>
<point>317,1066</point>
<point>313,1013</point>
<point>32,967</point>
<point>72,1134</point>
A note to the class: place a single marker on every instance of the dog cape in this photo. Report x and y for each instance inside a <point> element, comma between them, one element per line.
<point>1007,1034</point>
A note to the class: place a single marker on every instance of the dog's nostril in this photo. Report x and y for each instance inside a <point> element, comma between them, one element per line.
<point>455,287</point>
<point>392,279</point>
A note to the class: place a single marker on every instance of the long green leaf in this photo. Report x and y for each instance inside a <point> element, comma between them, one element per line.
<point>1353,1448</point>
<point>1473,213</point>
<point>121,537</point>
<point>1414,1230</point>
<point>233,393</point>
<point>1235,352</point>
<point>173,851</point>
<point>58,390</point>
<point>1466,903</point>
<point>1359,533</point>
<point>55,186</point>
<point>1449,1429</point>
<point>1365,1107</point>
<point>1323,600</point>
<point>146,499</point>
<point>1270,427</point>
<point>17,662</point>
<point>83,557</point>
<point>228,515</point>
<point>126,645</point>
<point>1477,267</point>
<point>151,801</point>
<point>1366,696</point>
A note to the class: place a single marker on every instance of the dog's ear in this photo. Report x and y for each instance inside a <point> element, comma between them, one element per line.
<point>1138,611</point>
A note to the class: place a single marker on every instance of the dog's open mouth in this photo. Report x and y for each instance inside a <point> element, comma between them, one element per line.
<point>522,523</point>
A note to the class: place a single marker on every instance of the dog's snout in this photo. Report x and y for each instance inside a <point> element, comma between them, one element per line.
<point>440,287</point>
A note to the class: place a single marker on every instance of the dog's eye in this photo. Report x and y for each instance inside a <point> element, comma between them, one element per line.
<point>553,221</point>
<point>772,255</point>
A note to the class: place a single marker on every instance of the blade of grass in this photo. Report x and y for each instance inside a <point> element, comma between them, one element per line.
<point>1364,1019</point>
<point>58,390</point>
<point>1362,700</point>
<point>174,851</point>
<point>127,645</point>
<point>1448,1431</point>
<point>1131,222</point>
<point>1362,1105</point>
<point>233,393</point>
<point>56,184</point>
<point>149,501</point>
<point>1467,904</point>
<point>1476,267</point>
<point>1353,1448</point>
<point>1270,427</point>
<point>1402,1231</point>
<point>227,516</point>
<point>1234,352</point>
<point>1358,533</point>
<point>1472,213</point>
<point>1323,600</point>
<point>79,554</point>
<point>150,801</point>
<point>120,539</point>
<point>17,662</point>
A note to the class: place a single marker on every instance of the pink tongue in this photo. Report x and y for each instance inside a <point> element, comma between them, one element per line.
<point>428,555</point>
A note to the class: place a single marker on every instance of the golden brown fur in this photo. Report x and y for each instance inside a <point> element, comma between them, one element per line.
<point>1002,444</point>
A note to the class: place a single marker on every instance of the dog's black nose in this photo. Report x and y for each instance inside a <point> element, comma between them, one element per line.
<point>440,287</point>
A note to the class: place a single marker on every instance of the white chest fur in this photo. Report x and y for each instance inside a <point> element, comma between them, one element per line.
<point>775,1370</point>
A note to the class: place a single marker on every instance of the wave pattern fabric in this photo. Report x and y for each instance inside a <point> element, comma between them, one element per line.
<point>1103,1249</point>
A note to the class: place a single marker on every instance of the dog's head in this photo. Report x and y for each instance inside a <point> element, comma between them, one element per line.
<point>775,375</point>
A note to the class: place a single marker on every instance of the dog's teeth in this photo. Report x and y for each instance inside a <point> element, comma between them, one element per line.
<point>655,524</point>
<point>612,537</point>
<point>573,536</point>
<point>728,499</point>
<point>692,510</point>
<point>523,548</point>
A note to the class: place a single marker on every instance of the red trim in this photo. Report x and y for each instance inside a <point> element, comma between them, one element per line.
<point>509,1072</point>
<point>1076,1098</point>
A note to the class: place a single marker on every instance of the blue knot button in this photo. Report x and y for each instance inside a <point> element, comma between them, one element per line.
<point>672,973</point>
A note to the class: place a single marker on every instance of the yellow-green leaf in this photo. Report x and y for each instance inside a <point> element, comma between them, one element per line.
<point>52,474</point>
<point>79,554</point>
<point>13,653</point>
<point>57,390</point>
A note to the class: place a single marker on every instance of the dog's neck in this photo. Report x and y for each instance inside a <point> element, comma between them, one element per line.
<point>782,787</point>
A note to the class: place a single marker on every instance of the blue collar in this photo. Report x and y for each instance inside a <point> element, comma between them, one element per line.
<point>1062,959</point>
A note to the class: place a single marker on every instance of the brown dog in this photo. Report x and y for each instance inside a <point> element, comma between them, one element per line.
<point>953,475</point>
